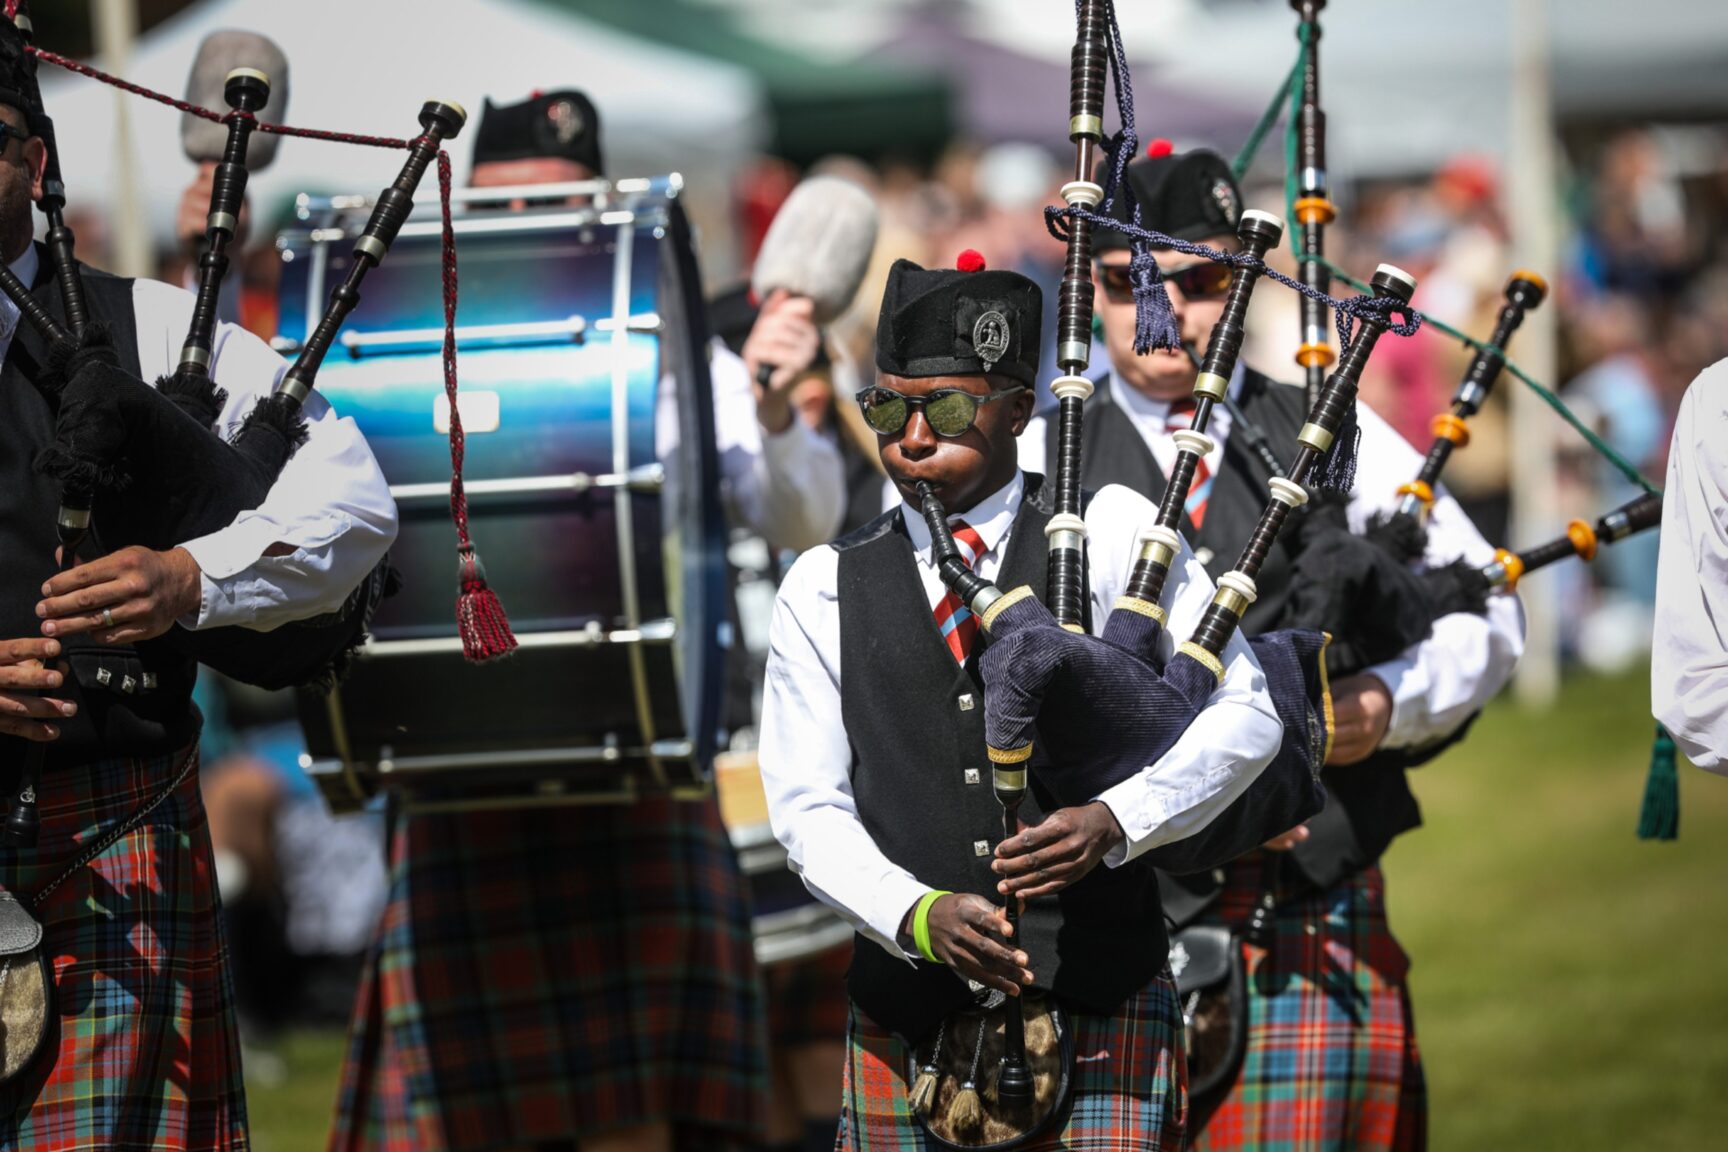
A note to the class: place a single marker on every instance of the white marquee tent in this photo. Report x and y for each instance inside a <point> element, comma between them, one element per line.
<point>365,66</point>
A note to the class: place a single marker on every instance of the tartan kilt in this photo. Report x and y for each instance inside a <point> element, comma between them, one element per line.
<point>146,1055</point>
<point>540,974</point>
<point>807,1002</point>
<point>1331,1059</point>
<point>1130,1088</point>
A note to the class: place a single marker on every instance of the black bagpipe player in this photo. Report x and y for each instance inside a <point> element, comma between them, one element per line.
<point>875,760</point>
<point>86,674</point>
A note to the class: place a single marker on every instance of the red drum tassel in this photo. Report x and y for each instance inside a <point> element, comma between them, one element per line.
<point>480,617</point>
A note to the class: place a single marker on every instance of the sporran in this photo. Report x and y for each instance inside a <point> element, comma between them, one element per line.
<point>953,1074</point>
<point>1206,961</point>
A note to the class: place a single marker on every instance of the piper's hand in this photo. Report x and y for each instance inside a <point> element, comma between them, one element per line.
<point>25,671</point>
<point>130,595</point>
<point>784,336</point>
<point>1361,713</point>
<point>969,933</point>
<point>1288,840</point>
<point>1060,851</point>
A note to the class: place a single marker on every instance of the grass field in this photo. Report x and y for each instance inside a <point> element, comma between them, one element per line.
<point>1571,981</point>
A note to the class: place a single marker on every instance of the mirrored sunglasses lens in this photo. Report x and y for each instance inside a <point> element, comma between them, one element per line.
<point>886,413</point>
<point>952,414</point>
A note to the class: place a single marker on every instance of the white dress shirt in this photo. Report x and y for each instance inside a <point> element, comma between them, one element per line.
<point>1436,684</point>
<point>806,758</point>
<point>327,521</point>
<point>788,487</point>
<point>1689,648</point>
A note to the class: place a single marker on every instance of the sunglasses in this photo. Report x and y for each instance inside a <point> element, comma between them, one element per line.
<point>949,411</point>
<point>1204,281</point>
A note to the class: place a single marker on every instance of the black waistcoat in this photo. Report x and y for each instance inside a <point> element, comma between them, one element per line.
<point>916,724</point>
<point>119,717</point>
<point>1366,804</point>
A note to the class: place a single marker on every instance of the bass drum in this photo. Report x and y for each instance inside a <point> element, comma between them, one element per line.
<point>592,488</point>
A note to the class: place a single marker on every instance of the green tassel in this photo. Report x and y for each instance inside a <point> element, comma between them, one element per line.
<point>1660,817</point>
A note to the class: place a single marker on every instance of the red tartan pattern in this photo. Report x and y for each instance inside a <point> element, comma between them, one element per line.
<point>807,1001</point>
<point>1331,1058</point>
<point>543,974</point>
<point>1130,1085</point>
<point>147,1055</point>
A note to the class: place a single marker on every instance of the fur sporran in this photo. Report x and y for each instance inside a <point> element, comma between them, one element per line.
<point>953,1075</point>
<point>1206,962</point>
<point>26,988</point>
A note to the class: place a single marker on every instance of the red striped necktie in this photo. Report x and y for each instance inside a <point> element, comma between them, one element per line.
<point>1181,417</point>
<point>953,619</point>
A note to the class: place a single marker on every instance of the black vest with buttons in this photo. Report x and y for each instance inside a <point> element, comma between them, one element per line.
<point>1367,804</point>
<point>922,782</point>
<point>131,701</point>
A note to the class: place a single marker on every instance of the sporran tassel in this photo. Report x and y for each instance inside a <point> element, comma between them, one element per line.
<point>966,1113</point>
<point>1659,818</point>
<point>923,1094</point>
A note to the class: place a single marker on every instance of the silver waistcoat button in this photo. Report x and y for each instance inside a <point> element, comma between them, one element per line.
<point>967,703</point>
<point>973,776</point>
<point>980,847</point>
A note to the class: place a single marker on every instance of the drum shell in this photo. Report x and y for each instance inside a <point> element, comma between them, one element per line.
<point>561,314</point>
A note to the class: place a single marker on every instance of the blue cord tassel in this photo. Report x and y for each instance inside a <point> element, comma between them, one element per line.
<point>1336,471</point>
<point>1154,320</point>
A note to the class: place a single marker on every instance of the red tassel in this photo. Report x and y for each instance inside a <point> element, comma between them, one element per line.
<point>480,617</point>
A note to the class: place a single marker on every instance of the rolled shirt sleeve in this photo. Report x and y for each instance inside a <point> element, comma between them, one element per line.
<point>1689,647</point>
<point>326,522</point>
<point>1441,681</point>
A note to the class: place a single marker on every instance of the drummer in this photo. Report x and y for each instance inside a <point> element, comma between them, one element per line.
<point>553,976</point>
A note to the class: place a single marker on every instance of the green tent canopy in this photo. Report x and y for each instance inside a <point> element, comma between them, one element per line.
<point>818,107</point>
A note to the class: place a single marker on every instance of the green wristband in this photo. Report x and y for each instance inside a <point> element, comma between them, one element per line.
<point>921,924</point>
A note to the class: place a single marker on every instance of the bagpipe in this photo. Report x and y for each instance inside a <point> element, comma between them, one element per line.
<point>1372,590</point>
<point>1070,714</point>
<point>1582,539</point>
<point>1313,207</point>
<point>142,465</point>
